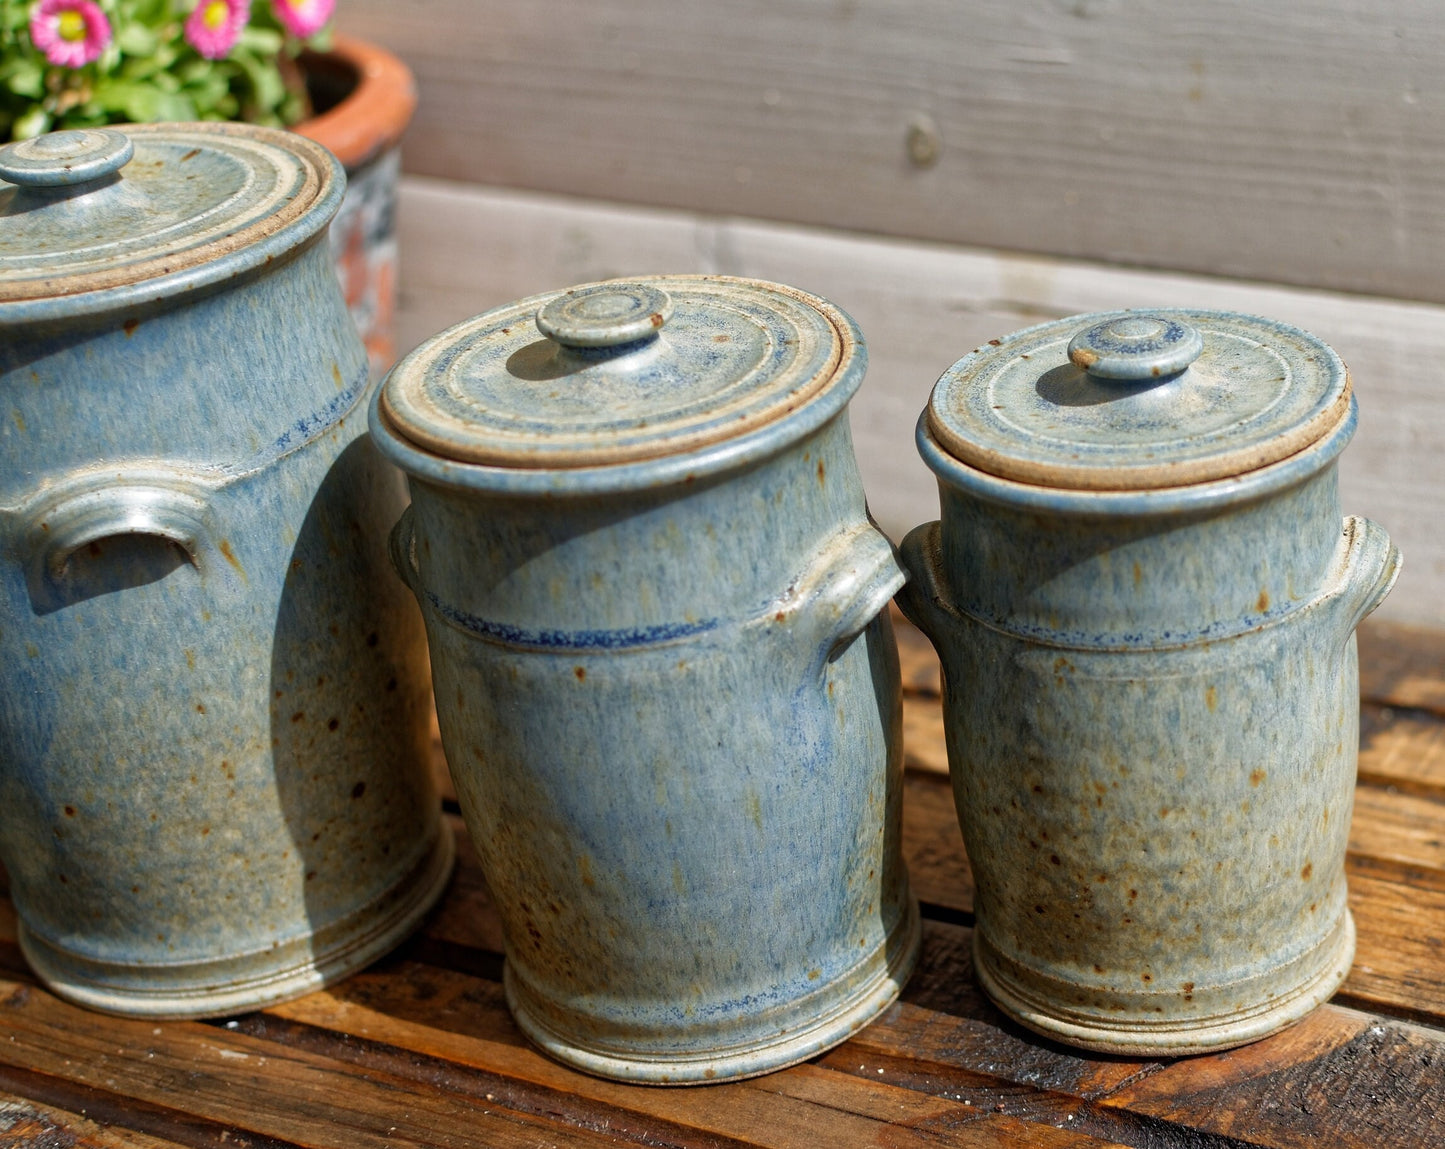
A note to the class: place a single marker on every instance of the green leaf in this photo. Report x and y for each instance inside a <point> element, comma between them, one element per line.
<point>267,90</point>
<point>142,103</point>
<point>261,41</point>
<point>25,77</point>
<point>35,122</point>
<point>135,39</point>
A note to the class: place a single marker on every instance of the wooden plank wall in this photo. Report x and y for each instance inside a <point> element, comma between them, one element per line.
<point>949,171</point>
<point>1293,143</point>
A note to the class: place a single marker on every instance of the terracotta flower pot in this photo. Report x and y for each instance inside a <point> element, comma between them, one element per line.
<point>366,97</point>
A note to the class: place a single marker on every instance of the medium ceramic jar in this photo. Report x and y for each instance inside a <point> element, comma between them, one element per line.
<point>666,681</point>
<point>213,729</point>
<point>1144,598</point>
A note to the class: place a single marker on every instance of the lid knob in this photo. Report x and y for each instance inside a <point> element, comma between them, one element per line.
<point>1136,347</point>
<point>607,315</point>
<point>65,159</point>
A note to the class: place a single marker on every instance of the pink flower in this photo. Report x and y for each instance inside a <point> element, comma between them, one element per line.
<point>70,32</point>
<point>303,18</point>
<point>213,26</point>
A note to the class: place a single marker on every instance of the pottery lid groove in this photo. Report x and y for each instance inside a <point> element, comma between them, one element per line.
<point>617,372</point>
<point>1137,400</point>
<point>101,209</point>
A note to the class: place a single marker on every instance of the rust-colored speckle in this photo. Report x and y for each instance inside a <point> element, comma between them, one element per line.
<point>1146,977</point>
<point>205,830</point>
<point>1133,894</point>
<point>1309,868</point>
<point>190,155</point>
<point>358,790</point>
<point>299,716</point>
<point>200,708</point>
<point>333,723</point>
<point>995,342</point>
<point>1262,603</point>
<point>310,875</point>
<point>1038,909</point>
<point>1256,776</point>
<point>1054,858</point>
<point>722,338</point>
<point>230,556</point>
<point>1211,698</point>
<point>1038,789</point>
<point>584,871</point>
<point>580,672</point>
<point>1155,371</point>
<point>821,472</point>
<point>70,811</point>
<point>129,327</point>
<point>1188,987</point>
<point>336,374</point>
<point>1083,357</point>
<point>1098,968</point>
<point>779,616</point>
<point>814,974</point>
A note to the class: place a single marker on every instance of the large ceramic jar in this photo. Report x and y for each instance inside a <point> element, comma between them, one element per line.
<point>666,681</point>
<point>1144,598</point>
<point>213,725</point>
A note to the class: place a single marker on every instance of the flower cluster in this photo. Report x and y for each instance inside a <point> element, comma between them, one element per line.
<point>82,63</point>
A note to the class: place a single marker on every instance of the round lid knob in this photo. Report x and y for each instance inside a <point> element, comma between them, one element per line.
<point>1135,347</point>
<point>607,315</point>
<point>1104,403</point>
<point>65,159</point>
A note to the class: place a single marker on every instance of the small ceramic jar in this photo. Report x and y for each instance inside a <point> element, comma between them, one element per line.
<point>665,677</point>
<point>214,786</point>
<point>1144,598</point>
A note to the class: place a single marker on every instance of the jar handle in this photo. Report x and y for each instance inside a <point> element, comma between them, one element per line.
<point>174,511</point>
<point>402,545</point>
<point>845,588</point>
<point>923,600</point>
<point>1372,564</point>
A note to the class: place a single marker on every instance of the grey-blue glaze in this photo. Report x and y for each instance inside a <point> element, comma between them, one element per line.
<point>672,716</point>
<point>1151,712</point>
<point>213,726</point>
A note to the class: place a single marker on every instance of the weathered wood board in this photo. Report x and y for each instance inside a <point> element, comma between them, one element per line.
<point>1298,143</point>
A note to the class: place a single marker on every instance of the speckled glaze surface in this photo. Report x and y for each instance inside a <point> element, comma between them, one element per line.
<point>1151,697</point>
<point>667,686</point>
<point>213,727</point>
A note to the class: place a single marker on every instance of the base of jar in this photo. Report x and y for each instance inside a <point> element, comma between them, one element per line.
<point>222,986</point>
<point>824,1028</point>
<point>1169,1036</point>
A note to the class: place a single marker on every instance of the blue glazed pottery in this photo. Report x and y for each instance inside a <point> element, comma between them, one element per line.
<point>666,681</point>
<point>1144,597</point>
<point>213,724</point>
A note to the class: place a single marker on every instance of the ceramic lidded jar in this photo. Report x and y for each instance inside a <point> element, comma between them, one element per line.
<point>1144,598</point>
<point>665,676</point>
<point>214,790</point>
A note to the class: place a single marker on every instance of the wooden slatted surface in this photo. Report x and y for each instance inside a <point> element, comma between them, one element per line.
<point>420,1050</point>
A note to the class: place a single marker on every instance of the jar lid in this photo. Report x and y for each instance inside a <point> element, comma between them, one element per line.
<point>617,372</point>
<point>101,210</point>
<point>1139,400</point>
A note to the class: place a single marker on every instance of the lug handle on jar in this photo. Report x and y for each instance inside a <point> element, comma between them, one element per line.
<point>170,511</point>
<point>402,545</point>
<point>923,601</point>
<point>1372,564</point>
<point>845,588</point>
